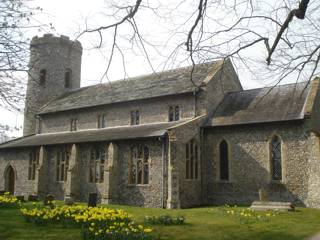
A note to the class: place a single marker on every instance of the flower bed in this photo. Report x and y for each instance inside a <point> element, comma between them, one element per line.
<point>96,223</point>
<point>8,201</point>
<point>248,216</point>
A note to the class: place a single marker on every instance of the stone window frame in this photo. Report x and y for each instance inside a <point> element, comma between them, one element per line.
<point>174,113</point>
<point>63,153</point>
<point>218,173</point>
<point>101,121</point>
<point>68,78</point>
<point>73,124</point>
<point>224,171</point>
<point>38,124</point>
<point>42,76</point>
<point>192,160</point>
<point>134,160</point>
<point>96,164</point>
<point>33,164</point>
<point>282,152</point>
<point>135,117</point>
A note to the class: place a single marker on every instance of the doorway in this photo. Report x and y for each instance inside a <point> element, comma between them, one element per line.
<point>9,180</point>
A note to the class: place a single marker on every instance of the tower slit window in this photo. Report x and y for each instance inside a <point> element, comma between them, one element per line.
<point>43,76</point>
<point>67,78</point>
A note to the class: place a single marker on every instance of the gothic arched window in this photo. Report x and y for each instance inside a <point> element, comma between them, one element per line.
<point>224,161</point>
<point>62,164</point>
<point>139,165</point>
<point>97,161</point>
<point>192,160</point>
<point>275,153</point>
<point>33,164</point>
<point>67,78</point>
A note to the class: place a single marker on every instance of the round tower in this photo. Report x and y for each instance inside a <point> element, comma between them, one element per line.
<point>54,69</point>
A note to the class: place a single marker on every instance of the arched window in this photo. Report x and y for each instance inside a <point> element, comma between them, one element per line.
<point>275,153</point>
<point>139,165</point>
<point>67,78</point>
<point>224,161</point>
<point>33,164</point>
<point>97,160</point>
<point>62,164</point>
<point>192,159</point>
<point>42,76</point>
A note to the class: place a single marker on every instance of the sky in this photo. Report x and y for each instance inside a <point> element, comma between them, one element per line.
<point>69,17</point>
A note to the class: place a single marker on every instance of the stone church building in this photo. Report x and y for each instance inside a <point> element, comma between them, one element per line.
<point>162,140</point>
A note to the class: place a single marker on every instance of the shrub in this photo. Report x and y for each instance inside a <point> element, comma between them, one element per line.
<point>164,220</point>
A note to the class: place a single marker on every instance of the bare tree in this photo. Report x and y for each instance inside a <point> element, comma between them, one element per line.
<point>15,21</point>
<point>280,38</point>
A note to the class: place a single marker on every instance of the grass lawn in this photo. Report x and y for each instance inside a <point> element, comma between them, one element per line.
<point>201,224</point>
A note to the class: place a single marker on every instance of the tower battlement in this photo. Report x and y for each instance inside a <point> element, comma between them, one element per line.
<point>59,40</point>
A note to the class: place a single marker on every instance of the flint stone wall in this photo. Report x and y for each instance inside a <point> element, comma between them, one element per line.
<point>249,164</point>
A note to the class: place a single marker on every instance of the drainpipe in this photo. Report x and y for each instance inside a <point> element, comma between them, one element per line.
<point>202,160</point>
<point>195,102</point>
<point>164,139</point>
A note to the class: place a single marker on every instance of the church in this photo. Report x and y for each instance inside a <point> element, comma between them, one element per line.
<point>175,139</point>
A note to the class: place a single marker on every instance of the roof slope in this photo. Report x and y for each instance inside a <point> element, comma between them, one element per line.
<point>93,135</point>
<point>154,85</point>
<point>270,104</point>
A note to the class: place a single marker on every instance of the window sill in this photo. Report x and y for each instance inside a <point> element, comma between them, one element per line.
<point>277,182</point>
<point>224,181</point>
<point>138,185</point>
<point>191,179</point>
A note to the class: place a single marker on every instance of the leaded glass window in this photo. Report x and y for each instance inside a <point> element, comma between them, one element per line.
<point>224,161</point>
<point>62,164</point>
<point>174,113</point>
<point>97,161</point>
<point>139,165</point>
<point>33,164</point>
<point>276,167</point>
<point>192,160</point>
<point>135,117</point>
